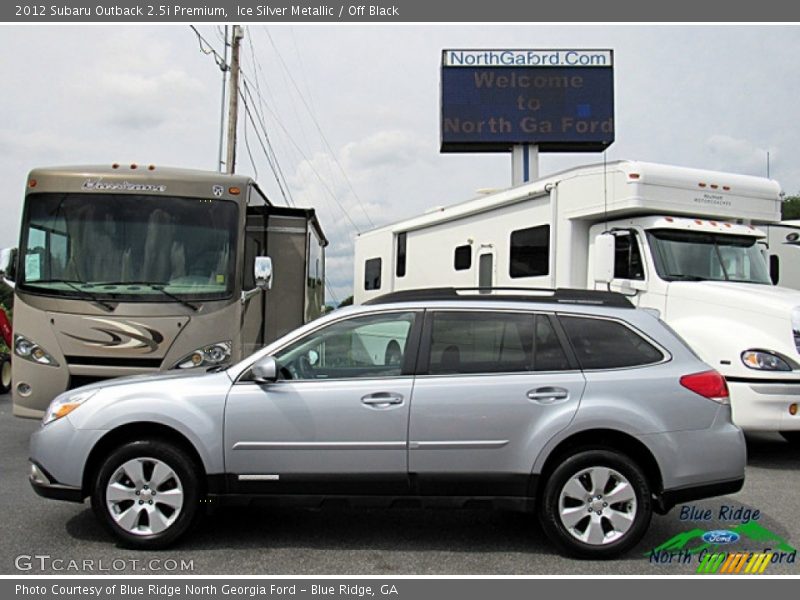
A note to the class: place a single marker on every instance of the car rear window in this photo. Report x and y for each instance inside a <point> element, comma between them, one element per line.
<point>488,342</point>
<point>608,344</point>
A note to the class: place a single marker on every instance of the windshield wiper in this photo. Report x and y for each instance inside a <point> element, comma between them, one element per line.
<point>685,277</point>
<point>87,295</point>
<point>157,286</point>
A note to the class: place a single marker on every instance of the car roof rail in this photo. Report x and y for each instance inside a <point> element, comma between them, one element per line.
<point>511,294</point>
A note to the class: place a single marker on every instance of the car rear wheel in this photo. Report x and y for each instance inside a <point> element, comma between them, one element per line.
<point>147,493</point>
<point>5,374</point>
<point>596,504</point>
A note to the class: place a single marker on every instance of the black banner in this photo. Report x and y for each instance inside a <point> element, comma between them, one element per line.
<point>393,11</point>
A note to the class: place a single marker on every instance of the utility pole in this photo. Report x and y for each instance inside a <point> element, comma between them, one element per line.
<point>224,68</point>
<point>233,99</point>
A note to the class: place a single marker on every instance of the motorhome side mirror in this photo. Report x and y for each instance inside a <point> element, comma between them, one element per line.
<point>8,260</point>
<point>263,272</point>
<point>604,258</point>
<point>774,268</point>
<point>265,370</point>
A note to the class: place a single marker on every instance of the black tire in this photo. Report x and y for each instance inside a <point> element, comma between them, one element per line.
<point>188,479</point>
<point>793,437</point>
<point>577,465</point>
<point>5,373</point>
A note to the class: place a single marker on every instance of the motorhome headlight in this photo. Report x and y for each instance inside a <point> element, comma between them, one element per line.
<point>796,327</point>
<point>24,348</point>
<point>207,356</point>
<point>63,405</point>
<point>762,360</point>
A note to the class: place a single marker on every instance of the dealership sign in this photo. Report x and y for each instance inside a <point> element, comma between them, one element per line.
<point>561,100</point>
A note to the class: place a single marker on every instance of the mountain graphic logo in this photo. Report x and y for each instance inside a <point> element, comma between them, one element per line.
<point>693,542</point>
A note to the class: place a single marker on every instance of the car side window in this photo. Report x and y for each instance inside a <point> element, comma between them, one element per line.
<point>361,347</point>
<point>608,344</point>
<point>493,342</point>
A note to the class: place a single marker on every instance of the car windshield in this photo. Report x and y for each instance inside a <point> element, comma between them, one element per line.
<point>128,247</point>
<point>699,256</point>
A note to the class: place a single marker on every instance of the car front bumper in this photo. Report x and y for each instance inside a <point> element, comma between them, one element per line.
<point>764,405</point>
<point>58,454</point>
<point>44,485</point>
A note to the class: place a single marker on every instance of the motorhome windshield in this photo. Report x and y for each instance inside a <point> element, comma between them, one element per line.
<point>698,256</point>
<point>128,247</point>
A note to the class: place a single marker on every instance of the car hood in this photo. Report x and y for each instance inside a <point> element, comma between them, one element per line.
<point>138,379</point>
<point>750,297</point>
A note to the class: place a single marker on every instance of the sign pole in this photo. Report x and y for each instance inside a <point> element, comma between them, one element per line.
<point>524,163</point>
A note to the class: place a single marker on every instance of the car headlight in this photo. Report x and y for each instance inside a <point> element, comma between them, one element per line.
<point>63,405</point>
<point>207,356</point>
<point>764,361</point>
<point>24,348</point>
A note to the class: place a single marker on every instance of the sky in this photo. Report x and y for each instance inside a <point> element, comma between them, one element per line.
<point>352,111</point>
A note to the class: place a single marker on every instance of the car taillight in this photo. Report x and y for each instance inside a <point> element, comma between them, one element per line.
<point>708,384</point>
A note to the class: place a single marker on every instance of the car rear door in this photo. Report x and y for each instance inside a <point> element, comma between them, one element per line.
<point>492,388</point>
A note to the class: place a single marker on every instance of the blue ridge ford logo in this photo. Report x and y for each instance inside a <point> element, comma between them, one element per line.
<point>720,536</point>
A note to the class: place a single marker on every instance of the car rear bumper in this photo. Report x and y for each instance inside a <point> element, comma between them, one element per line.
<point>697,458</point>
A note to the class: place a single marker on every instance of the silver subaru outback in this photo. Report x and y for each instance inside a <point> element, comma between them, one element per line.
<point>570,404</point>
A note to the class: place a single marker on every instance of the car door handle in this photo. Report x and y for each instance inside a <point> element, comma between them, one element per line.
<point>548,395</point>
<point>382,399</point>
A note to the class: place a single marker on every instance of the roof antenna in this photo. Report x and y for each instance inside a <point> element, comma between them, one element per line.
<point>767,164</point>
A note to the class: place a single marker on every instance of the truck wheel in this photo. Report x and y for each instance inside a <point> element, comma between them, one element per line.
<point>147,493</point>
<point>5,374</point>
<point>793,437</point>
<point>596,504</point>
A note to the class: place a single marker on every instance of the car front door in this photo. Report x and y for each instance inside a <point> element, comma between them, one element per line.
<point>336,420</point>
<point>492,389</point>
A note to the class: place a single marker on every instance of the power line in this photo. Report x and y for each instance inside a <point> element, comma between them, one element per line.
<point>249,114</point>
<point>249,152</point>
<point>207,49</point>
<point>319,128</point>
<point>272,157</point>
<point>313,170</point>
<point>261,119</point>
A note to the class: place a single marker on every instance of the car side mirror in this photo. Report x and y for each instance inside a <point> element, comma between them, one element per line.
<point>603,253</point>
<point>8,261</point>
<point>265,370</point>
<point>262,269</point>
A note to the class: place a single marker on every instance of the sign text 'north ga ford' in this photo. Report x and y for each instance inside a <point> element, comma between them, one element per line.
<point>561,100</point>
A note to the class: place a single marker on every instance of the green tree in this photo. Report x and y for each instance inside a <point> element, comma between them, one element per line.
<point>790,209</point>
<point>346,302</point>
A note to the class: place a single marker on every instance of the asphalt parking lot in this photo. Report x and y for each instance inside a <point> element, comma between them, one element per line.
<point>372,542</point>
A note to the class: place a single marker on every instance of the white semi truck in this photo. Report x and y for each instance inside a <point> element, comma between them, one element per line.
<point>678,240</point>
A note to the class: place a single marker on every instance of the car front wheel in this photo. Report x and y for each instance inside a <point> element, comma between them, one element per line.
<point>596,504</point>
<point>147,493</point>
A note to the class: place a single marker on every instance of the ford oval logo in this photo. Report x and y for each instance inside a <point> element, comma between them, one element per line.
<point>720,536</point>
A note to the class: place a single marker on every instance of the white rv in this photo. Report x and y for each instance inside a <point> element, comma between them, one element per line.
<point>678,240</point>
<point>784,251</point>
